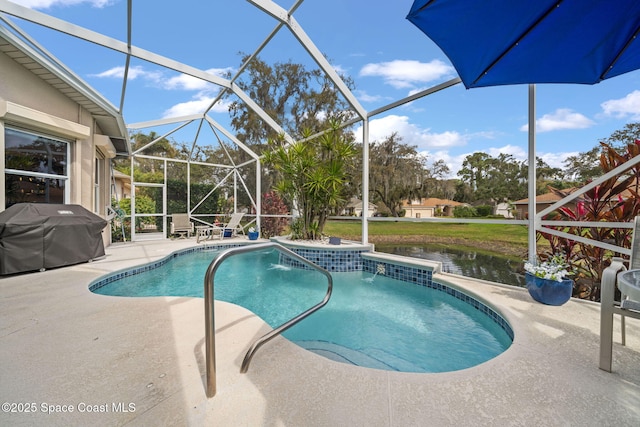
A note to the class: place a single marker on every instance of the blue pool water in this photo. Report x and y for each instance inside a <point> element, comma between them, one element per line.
<point>371,320</point>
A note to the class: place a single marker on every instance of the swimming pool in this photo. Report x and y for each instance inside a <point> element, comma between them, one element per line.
<point>371,319</point>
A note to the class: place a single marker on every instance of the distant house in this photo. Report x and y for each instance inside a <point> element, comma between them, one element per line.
<point>543,201</point>
<point>429,207</point>
<point>354,208</point>
<point>505,209</point>
<point>122,184</point>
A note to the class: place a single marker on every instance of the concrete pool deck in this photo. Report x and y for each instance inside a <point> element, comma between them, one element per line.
<point>140,361</point>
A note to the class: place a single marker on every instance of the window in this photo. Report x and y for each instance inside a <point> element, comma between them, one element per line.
<point>36,168</point>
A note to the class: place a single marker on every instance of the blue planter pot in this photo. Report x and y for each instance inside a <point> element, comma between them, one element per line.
<point>550,292</point>
<point>253,235</point>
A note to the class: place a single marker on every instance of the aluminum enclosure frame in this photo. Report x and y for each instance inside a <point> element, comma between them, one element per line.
<point>285,18</point>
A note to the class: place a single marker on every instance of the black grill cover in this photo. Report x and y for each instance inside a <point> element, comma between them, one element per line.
<point>35,236</point>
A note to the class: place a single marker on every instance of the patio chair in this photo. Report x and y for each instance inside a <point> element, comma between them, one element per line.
<point>627,306</point>
<point>180,224</point>
<point>234,224</point>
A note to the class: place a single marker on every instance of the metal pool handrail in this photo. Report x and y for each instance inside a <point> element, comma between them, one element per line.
<point>210,338</point>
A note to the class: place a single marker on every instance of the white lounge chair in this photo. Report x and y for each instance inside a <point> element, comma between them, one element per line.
<point>234,224</point>
<point>180,224</point>
<point>616,275</point>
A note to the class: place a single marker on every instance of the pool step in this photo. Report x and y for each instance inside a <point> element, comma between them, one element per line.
<point>370,357</point>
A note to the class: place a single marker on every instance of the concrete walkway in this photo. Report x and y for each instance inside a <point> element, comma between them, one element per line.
<point>72,358</point>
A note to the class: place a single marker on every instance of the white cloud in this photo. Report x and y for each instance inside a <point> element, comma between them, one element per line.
<point>556,160</point>
<point>406,73</point>
<point>518,153</point>
<point>411,134</point>
<point>46,4</point>
<point>134,73</point>
<point>365,97</point>
<point>454,163</point>
<point>178,82</point>
<point>562,118</point>
<point>198,105</point>
<point>341,70</point>
<point>186,82</point>
<point>629,106</point>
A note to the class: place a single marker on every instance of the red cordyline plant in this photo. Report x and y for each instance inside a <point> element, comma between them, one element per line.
<point>614,200</point>
<point>272,204</point>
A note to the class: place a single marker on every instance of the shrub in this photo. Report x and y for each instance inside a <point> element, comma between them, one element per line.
<point>464,212</point>
<point>603,203</point>
<point>484,210</point>
<point>272,204</point>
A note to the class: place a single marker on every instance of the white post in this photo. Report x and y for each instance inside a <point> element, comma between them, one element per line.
<point>534,221</point>
<point>258,195</point>
<point>133,201</point>
<point>235,190</point>
<point>189,187</point>
<point>365,180</point>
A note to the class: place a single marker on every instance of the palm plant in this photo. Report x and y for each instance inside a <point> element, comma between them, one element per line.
<point>311,174</point>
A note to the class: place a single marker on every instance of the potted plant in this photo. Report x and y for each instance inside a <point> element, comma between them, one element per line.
<point>547,282</point>
<point>253,234</point>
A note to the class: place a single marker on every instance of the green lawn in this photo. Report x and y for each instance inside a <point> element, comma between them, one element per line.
<point>513,237</point>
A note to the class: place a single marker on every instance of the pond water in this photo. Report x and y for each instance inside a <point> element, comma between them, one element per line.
<point>494,268</point>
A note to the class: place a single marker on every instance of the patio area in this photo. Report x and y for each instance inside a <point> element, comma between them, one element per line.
<point>96,360</point>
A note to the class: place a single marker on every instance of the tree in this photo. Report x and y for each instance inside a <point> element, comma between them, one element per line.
<point>586,166</point>
<point>620,139</point>
<point>311,175</point>
<point>396,172</point>
<point>301,101</point>
<point>492,179</point>
<point>545,176</point>
<point>583,166</point>
<point>436,184</point>
<point>507,179</point>
<point>474,172</point>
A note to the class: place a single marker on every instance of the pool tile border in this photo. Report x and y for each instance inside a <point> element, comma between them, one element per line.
<point>423,276</point>
<point>93,286</point>
<point>331,260</point>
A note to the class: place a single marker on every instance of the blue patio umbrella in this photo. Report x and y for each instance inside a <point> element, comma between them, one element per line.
<point>502,42</point>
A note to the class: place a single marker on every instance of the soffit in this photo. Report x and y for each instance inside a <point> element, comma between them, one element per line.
<point>106,116</point>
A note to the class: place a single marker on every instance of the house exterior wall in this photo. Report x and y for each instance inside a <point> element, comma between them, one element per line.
<point>504,209</point>
<point>419,211</point>
<point>122,187</point>
<point>427,208</point>
<point>29,103</point>
<point>522,210</point>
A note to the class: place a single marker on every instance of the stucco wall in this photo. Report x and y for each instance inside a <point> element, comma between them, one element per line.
<point>19,86</point>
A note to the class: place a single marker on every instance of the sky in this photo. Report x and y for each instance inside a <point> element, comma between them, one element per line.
<point>371,41</point>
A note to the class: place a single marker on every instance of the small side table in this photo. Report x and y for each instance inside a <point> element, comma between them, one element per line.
<point>205,232</point>
<point>629,284</point>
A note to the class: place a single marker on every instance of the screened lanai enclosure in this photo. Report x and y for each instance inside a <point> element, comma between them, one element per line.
<point>217,170</point>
